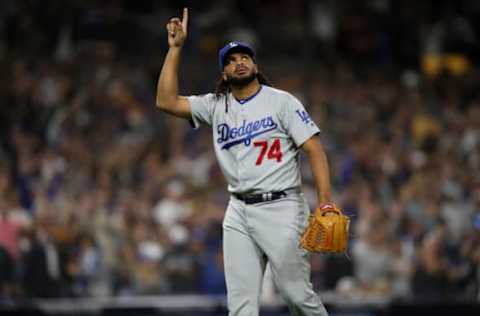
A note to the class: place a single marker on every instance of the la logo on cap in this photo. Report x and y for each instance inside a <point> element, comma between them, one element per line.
<point>233,44</point>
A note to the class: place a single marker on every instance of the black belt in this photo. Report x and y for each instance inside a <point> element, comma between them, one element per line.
<point>262,197</point>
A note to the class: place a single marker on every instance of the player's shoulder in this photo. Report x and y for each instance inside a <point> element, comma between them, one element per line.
<point>276,91</point>
<point>209,98</point>
<point>209,95</point>
<point>282,95</point>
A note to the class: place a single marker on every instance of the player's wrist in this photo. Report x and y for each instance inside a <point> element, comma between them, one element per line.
<point>327,207</point>
<point>176,48</point>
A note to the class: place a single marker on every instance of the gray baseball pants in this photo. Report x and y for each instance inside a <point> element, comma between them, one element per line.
<point>268,232</point>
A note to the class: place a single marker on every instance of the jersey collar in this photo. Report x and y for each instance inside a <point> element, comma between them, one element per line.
<point>243,101</point>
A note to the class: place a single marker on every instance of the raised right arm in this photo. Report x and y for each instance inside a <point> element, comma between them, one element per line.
<point>168,99</point>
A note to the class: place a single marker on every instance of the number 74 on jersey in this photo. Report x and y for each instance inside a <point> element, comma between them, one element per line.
<point>272,151</point>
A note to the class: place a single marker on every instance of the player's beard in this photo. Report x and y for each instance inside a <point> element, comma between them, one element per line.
<point>240,82</point>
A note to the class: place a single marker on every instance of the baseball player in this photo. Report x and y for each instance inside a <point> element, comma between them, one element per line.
<point>258,132</point>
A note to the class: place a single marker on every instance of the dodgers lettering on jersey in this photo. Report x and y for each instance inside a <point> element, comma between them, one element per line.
<point>232,136</point>
<point>256,142</point>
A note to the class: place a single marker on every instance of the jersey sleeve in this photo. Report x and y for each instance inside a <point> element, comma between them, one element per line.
<point>297,121</point>
<point>202,107</point>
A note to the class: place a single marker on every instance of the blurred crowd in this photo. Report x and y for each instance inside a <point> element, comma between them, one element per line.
<point>100,194</point>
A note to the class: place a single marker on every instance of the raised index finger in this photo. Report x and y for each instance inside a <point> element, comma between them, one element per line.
<point>185,19</point>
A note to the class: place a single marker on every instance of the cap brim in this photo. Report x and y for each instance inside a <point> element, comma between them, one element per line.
<point>237,49</point>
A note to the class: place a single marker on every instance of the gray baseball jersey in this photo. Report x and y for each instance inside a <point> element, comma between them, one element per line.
<point>257,140</point>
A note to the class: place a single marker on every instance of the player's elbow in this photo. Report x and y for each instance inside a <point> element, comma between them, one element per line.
<point>164,103</point>
<point>313,146</point>
<point>161,105</point>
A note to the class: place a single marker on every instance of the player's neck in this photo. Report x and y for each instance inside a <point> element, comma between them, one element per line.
<point>241,93</point>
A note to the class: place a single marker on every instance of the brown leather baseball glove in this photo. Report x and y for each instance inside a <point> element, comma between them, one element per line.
<point>326,231</point>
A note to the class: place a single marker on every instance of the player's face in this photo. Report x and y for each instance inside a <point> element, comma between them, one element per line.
<point>240,69</point>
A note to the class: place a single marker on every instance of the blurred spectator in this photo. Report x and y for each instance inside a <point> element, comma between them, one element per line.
<point>430,281</point>
<point>212,278</point>
<point>7,275</point>
<point>181,262</point>
<point>173,207</point>
<point>9,232</point>
<point>85,267</point>
<point>372,260</point>
<point>41,274</point>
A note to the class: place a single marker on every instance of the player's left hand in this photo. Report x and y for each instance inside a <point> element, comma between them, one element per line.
<point>327,230</point>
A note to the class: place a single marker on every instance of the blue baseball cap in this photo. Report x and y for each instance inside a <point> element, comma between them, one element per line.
<point>234,47</point>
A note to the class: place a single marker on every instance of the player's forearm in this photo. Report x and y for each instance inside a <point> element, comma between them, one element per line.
<point>320,169</point>
<point>167,87</point>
